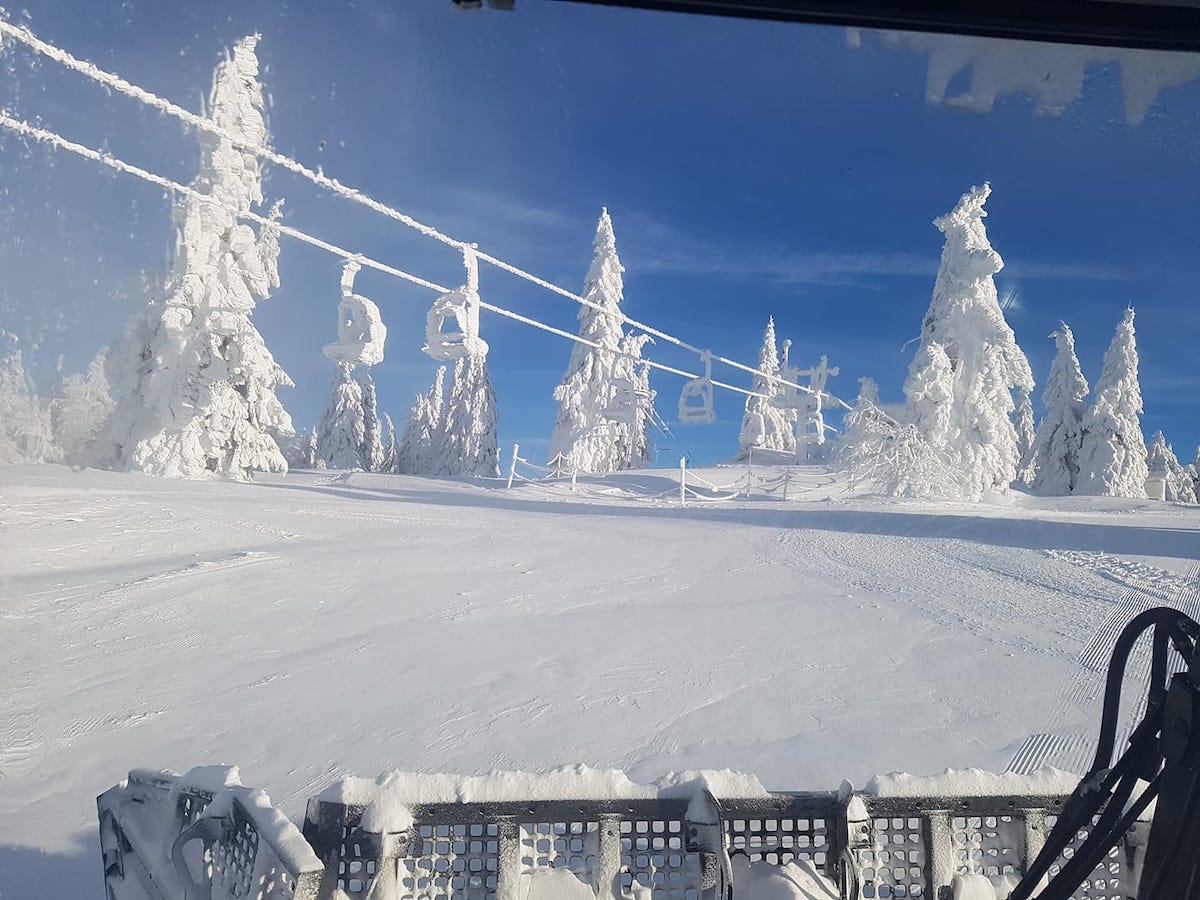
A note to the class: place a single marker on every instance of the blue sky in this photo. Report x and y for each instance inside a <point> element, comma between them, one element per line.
<point>751,169</point>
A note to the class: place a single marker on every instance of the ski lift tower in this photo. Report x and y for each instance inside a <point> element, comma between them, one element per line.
<point>806,407</point>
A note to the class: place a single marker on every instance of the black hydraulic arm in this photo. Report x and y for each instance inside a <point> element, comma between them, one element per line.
<point>1163,755</point>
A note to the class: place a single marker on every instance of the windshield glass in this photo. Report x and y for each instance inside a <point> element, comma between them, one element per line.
<point>396,386</point>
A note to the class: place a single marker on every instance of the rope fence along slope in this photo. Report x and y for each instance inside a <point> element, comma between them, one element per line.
<point>116,83</point>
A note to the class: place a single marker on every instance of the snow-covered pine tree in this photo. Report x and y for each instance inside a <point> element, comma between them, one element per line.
<point>1060,433</point>
<point>974,431</point>
<point>420,451</point>
<point>1112,460</point>
<point>389,445</point>
<point>1193,469</point>
<point>470,436</point>
<point>1026,435</point>
<point>80,414</point>
<point>25,432</point>
<point>372,453</point>
<point>765,425</point>
<point>194,383</point>
<point>342,432</point>
<point>313,443</point>
<point>582,433</point>
<point>1162,462</point>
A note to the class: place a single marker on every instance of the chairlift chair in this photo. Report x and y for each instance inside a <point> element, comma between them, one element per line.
<point>449,345</point>
<point>461,305</point>
<point>698,389</point>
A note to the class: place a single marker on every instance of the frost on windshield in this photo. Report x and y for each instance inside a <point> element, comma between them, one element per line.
<point>1052,74</point>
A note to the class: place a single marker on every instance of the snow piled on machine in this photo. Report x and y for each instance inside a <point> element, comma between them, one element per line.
<point>578,782</point>
<point>973,783</point>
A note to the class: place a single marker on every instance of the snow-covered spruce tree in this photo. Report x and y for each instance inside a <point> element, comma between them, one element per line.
<point>470,436</point>
<point>420,452</point>
<point>341,432</point>
<point>1026,435</point>
<point>1112,459</point>
<point>635,444</point>
<point>81,412</point>
<point>582,432</point>
<point>373,454</point>
<point>1193,469</point>
<point>194,384</point>
<point>313,443</point>
<point>25,432</point>
<point>1162,462</point>
<point>389,445</point>
<point>1060,433</point>
<point>969,424</point>
<point>764,424</point>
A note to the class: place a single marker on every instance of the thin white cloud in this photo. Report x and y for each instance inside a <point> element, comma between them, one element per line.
<point>650,245</point>
<point>487,204</point>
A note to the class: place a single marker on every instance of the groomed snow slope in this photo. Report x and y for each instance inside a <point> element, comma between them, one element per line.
<point>310,626</point>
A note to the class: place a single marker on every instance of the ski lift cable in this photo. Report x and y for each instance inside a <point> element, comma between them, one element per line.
<point>115,82</point>
<point>57,140</point>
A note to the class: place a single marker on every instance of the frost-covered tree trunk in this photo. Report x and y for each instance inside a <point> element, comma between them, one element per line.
<point>966,416</point>
<point>194,382</point>
<point>420,450</point>
<point>470,443</point>
<point>1026,435</point>
<point>1060,434</point>
<point>25,432</point>
<point>372,453</point>
<point>582,432</point>
<point>342,431</point>
<point>765,425</point>
<point>1112,461</point>
<point>1161,462</point>
<point>81,412</point>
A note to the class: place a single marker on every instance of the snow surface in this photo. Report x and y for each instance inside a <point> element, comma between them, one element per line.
<point>318,625</point>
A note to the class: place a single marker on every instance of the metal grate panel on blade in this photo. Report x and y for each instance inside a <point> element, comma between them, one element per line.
<point>653,853</point>
<point>988,845</point>
<point>1113,879</point>
<point>894,865</point>
<point>780,840</point>
<point>456,861</point>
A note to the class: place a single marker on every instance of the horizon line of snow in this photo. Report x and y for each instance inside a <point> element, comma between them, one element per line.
<point>54,139</point>
<point>115,82</point>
